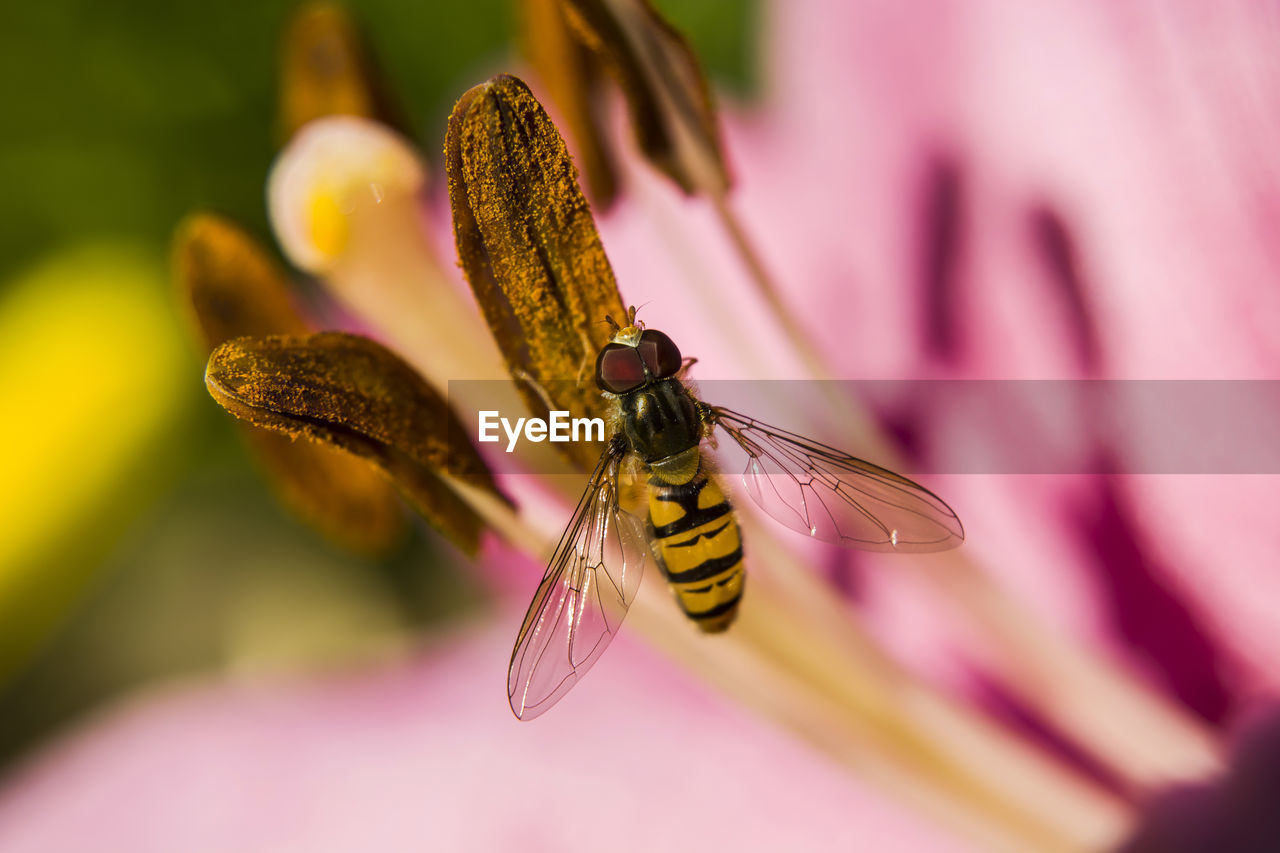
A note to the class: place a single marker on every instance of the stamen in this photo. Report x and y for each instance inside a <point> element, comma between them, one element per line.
<point>349,392</point>
<point>232,288</point>
<point>667,94</point>
<point>326,70</point>
<point>571,76</point>
<point>528,244</point>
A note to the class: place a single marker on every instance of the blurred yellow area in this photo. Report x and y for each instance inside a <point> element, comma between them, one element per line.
<point>329,229</point>
<point>94,374</point>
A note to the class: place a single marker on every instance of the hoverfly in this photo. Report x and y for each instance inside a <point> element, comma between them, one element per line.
<point>691,530</point>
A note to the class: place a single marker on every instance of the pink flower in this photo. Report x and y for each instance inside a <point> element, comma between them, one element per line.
<point>1054,191</point>
<point>1059,190</point>
<point>424,754</point>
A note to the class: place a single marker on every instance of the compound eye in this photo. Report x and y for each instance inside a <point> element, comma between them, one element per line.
<point>660,353</point>
<point>619,369</point>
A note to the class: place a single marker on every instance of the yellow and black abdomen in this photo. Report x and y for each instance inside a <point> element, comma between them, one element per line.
<point>698,548</point>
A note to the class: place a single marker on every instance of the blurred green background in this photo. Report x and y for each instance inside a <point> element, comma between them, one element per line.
<point>140,542</point>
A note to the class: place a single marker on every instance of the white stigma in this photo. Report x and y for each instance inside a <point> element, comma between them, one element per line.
<point>331,170</point>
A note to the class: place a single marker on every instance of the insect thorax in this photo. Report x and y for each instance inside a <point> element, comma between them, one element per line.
<point>662,423</point>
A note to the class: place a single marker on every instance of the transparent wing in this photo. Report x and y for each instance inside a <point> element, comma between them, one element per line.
<point>591,581</point>
<point>835,497</point>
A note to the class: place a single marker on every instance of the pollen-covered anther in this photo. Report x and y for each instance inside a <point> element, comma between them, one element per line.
<point>232,288</point>
<point>351,393</point>
<point>325,69</point>
<point>528,245</point>
<point>666,92</point>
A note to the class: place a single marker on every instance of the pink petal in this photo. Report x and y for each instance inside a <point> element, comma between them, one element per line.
<point>426,755</point>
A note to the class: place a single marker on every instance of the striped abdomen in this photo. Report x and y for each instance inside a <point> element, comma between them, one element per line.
<point>698,548</point>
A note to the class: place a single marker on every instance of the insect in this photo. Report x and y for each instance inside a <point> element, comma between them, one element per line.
<point>691,529</point>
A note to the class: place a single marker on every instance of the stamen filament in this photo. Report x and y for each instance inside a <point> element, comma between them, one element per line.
<point>765,286</point>
<point>796,659</point>
<point>1127,726</point>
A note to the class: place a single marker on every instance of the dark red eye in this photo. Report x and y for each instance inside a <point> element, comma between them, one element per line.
<point>660,354</point>
<point>619,369</point>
